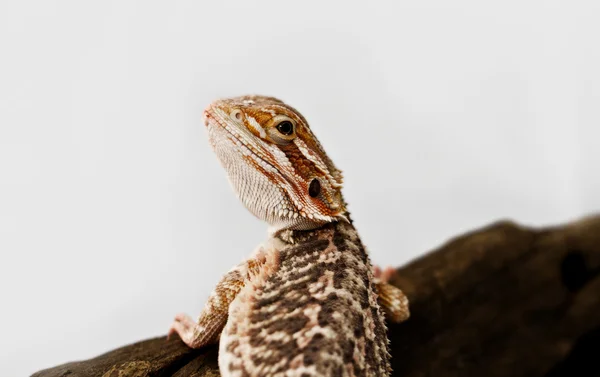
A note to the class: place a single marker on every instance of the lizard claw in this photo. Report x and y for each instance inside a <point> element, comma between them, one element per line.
<point>385,275</point>
<point>191,333</point>
<point>376,272</point>
<point>182,325</point>
<point>388,274</point>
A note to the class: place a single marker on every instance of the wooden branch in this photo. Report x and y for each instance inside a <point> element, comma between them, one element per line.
<point>501,301</point>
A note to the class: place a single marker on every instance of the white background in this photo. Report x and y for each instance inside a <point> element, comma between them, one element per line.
<point>115,215</point>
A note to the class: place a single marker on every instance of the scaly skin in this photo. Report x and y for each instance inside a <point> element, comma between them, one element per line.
<point>307,302</point>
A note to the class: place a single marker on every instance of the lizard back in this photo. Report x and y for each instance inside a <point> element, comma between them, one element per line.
<point>311,312</point>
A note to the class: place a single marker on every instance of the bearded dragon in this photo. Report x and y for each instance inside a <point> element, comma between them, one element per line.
<point>307,302</point>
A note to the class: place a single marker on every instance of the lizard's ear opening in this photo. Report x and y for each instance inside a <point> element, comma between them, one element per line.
<point>236,114</point>
<point>314,189</point>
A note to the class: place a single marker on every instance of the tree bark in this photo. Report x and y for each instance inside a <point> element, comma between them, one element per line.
<point>504,300</point>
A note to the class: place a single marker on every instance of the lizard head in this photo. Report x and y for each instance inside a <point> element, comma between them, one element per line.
<point>275,163</point>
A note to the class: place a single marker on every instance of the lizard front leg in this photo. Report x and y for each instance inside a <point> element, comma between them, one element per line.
<point>391,299</point>
<point>213,317</point>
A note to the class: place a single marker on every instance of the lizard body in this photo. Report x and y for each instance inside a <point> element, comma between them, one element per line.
<point>307,302</point>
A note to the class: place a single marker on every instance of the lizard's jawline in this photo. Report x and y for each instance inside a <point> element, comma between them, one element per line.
<point>213,121</point>
<point>225,147</point>
<point>296,218</point>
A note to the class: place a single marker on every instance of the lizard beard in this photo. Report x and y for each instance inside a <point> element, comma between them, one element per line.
<point>261,196</point>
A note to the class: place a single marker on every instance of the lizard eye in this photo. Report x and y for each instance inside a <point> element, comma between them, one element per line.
<point>286,127</point>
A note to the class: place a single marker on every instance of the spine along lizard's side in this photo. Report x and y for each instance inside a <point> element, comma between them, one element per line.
<point>307,301</point>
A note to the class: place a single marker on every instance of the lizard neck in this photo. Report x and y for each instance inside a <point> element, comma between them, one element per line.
<point>282,231</point>
<point>294,236</point>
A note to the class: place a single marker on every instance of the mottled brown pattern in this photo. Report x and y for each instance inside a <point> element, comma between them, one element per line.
<point>333,325</point>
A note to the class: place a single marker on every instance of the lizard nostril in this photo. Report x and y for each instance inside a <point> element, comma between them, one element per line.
<point>205,115</point>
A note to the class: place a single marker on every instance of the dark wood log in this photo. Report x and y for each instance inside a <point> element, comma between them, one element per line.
<point>505,300</point>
